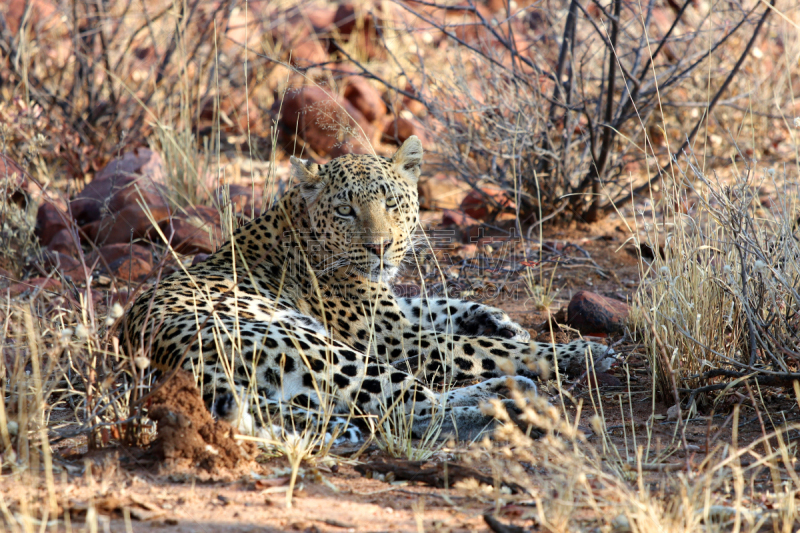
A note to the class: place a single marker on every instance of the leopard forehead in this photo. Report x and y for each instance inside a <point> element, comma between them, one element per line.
<point>366,181</point>
<point>367,174</point>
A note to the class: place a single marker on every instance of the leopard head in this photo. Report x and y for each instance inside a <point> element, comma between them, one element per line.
<point>363,209</point>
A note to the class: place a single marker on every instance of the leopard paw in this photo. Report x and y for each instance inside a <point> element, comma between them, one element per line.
<point>488,321</point>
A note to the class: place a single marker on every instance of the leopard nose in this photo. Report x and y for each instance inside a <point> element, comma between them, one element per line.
<point>378,248</point>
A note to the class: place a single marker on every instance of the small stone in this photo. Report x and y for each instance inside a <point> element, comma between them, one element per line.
<point>124,261</point>
<point>604,379</point>
<point>485,202</point>
<point>620,524</point>
<point>593,314</point>
<point>298,37</point>
<point>66,265</point>
<point>243,198</point>
<point>40,15</point>
<point>199,258</point>
<point>673,412</point>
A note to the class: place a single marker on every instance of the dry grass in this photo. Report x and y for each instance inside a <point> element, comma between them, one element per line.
<point>721,292</point>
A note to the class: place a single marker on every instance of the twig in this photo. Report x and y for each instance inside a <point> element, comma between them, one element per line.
<point>612,206</point>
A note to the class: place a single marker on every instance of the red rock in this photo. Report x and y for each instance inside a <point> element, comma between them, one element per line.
<point>49,221</point>
<point>129,224</point>
<point>501,230</point>
<point>242,29</point>
<point>242,199</point>
<point>487,201</point>
<point>63,243</point>
<point>661,21</point>
<point>353,23</point>
<point>43,14</point>
<point>468,28</point>
<point>413,105</point>
<point>398,130</point>
<point>119,184</point>
<point>466,251</point>
<point>496,6</point>
<point>236,114</point>
<point>320,18</point>
<point>365,98</point>
<point>591,313</point>
<point>113,252</point>
<point>195,231</point>
<point>34,284</point>
<point>441,192</point>
<point>451,217</point>
<point>301,36</point>
<point>319,119</point>
<point>130,268</point>
<point>65,265</point>
<point>594,11</point>
<point>204,213</point>
<point>345,18</point>
<point>307,52</point>
<point>124,261</point>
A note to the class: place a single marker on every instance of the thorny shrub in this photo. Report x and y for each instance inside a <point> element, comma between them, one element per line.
<point>721,296</point>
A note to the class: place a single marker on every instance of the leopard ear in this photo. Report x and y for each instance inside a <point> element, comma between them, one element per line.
<point>306,172</point>
<point>408,158</point>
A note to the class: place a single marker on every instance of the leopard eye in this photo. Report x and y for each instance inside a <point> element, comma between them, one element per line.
<point>344,210</point>
<point>391,202</point>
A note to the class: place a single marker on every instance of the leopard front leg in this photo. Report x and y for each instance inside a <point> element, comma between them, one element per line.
<point>460,317</point>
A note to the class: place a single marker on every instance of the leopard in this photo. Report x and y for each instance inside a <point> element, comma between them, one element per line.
<point>295,319</point>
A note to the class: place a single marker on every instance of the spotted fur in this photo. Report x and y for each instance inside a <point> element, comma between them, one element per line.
<point>295,313</point>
